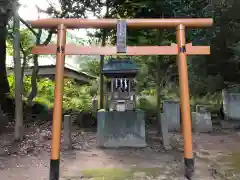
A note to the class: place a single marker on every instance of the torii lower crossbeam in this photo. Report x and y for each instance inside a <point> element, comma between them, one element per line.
<point>71,49</point>
<point>181,50</point>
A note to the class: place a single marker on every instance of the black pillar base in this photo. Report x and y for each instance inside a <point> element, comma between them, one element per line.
<point>54,169</point>
<point>189,168</point>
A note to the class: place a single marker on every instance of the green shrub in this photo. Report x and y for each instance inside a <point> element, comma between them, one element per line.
<point>75,97</point>
<point>43,100</point>
<point>211,100</point>
<point>79,98</point>
<point>147,103</point>
<point>148,100</point>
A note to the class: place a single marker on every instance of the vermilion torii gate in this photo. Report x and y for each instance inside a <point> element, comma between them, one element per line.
<point>181,49</point>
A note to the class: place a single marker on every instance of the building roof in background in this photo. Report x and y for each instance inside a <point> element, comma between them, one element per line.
<point>49,61</point>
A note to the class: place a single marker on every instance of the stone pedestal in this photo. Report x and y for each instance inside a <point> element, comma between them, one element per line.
<point>164,131</point>
<point>171,110</point>
<point>201,122</point>
<point>121,129</point>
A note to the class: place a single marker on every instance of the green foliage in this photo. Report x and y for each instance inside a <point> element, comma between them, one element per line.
<point>26,87</point>
<point>94,87</point>
<point>91,67</point>
<point>213,100</point>
<point>27,42</point>
<point>148,98</point>
<point>44,101</point>
<point>45,90</point>
<point>11,82</point>
<point>206,73</point>
<point>75,97</point>
<point>147,103</point>
<point>200,82</point>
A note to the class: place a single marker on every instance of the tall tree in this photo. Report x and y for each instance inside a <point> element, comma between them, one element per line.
<point>18,80</point>
<point>5,12</point>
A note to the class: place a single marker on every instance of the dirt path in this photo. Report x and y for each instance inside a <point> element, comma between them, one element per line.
<point>29,167</point>
<point>145,163</point>
<point>223,149</point>
<point>85,164</point>
<point>87,161</point>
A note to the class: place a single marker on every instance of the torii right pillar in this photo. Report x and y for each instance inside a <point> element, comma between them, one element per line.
<point>185,101</point>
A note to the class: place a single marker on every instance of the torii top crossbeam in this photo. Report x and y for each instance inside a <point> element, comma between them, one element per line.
<point>111,23</point>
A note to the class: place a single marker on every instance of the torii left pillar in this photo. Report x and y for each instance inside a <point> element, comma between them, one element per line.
<point>57,110</point>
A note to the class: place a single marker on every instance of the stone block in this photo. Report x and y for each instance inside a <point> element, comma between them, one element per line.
<point>230,124</point>
<point>95,105</point>
<point>171,111</point>
<point>67,132</point>
<point>165,133</point>
<point>201,122</point>
<point>202,108</point>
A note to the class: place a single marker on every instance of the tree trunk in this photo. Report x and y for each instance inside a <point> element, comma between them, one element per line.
<point>18,134</point>
<point>158,89</point>
<point>3,74</point>
<point>101,82</point>
<point>4,90</point>
<point>34,90</point>
<point>104,38</point>
<point>158,93</point>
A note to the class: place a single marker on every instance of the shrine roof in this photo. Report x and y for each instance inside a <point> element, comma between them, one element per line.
<point>120,66</point>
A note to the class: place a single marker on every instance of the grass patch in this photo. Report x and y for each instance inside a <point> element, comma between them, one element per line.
<point>119,174</point>
<point>231,160</point>
<point>230,166</point>
<point>235,161</point>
